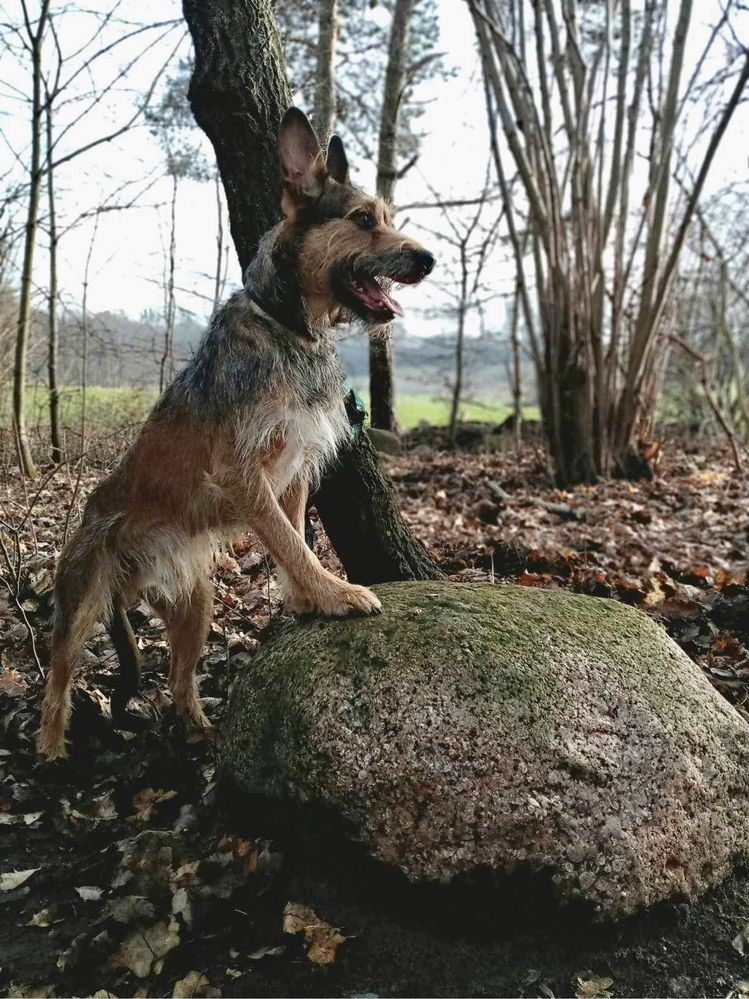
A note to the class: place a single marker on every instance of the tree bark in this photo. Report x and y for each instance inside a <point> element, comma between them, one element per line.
<point>166,367</point>
<point>381,359</point>
<point>323,117</point>
<point>53,331</point>
<point>382,379</point>
<point>517,368</point>
<point>25,459</point>
<point>219,285</point>
<point>238,94</point>
<point>458,384</point>
<point>358,509</point>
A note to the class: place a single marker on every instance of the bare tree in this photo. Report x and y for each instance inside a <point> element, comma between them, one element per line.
<point>55,434</point>
<point>54,76</point>
<point>381,362</point>
<point>597,230</point>
<point>35,31</point>
<point>325,96</point>
<point>711,315</point>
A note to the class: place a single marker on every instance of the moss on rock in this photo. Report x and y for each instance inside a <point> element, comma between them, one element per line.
<point>473,725</point>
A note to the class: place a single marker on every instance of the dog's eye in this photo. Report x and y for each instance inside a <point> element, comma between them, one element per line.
<point>365,220</point>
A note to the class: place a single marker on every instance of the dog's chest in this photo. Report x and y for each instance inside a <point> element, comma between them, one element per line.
<point>309,438</point>
<point>298,422</point>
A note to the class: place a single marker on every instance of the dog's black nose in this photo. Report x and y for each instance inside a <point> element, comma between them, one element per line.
<point>424,262</point>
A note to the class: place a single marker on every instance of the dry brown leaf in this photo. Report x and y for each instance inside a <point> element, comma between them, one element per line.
<point>655,595</point>
<point>322,938</point>
<point>590,986</point>
<point>12,682</point>
<point>143,952</point>
<point>194,984</point>
<point>244,850</point>
<point>145,800</point>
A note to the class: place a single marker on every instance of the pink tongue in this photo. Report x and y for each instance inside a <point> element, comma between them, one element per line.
<point>376,298</point>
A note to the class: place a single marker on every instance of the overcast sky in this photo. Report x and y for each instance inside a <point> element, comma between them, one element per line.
<point>129,251</point>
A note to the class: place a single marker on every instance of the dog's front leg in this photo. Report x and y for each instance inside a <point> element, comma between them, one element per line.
<point>310,587</point>
<point>294,504</point>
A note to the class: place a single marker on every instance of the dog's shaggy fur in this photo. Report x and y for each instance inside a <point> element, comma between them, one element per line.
<point>237,439</point>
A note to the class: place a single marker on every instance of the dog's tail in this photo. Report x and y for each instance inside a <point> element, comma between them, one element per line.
<point>86,582</point>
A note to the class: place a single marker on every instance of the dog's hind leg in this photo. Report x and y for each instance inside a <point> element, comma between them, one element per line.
<point>82,592</point>
<point>123,640</point>
<point>187,622</point>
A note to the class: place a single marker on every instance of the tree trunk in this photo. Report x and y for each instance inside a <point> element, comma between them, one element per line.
<point>325,101</point>
<point>357,507</point>
<point>517,370</point>
<point>54,394</point>
<point>24,308</point>
<point>166,368</point>
<point>382,380</point>
<point>238,94</point>
<point>458,384</point>
<point>218,289</point>
<point>381,360</point>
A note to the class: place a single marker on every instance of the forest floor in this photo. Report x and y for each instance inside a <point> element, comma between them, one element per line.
<point>121,872</point>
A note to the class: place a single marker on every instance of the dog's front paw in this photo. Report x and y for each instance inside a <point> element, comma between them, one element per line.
<point>342,600</point>
<point>355,600</point>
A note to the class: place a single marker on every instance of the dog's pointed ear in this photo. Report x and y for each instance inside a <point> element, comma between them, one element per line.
<point>337,162</point>
<point>302,165</point>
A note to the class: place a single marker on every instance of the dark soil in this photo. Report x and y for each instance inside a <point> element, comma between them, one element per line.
<point>131,837</point>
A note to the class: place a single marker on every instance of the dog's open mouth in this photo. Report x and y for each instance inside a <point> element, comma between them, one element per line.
<point>363,284</point>
<point>374,297</point>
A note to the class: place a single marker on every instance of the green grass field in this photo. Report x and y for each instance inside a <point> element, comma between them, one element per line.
<point>110,408</point>
<point>106,408</point>
<point>413,407</point>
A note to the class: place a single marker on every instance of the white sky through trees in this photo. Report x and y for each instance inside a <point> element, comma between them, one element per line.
<point>129,253</point>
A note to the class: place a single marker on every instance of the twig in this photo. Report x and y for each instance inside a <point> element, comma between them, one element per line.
<point>560,509</point>
<point>15,593</point>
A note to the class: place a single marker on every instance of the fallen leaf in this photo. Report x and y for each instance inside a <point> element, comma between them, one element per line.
<point>12,682</point>
<point>13,879</point>
<point>42,918</point>
<point>143,952</point>
<point>245,851</point>
<point>181,905</point>
<point>741,939</point>
<point>193,984</point>
<point>89,893</point>
<point>145,800</point>
<point>128,908</point>
<point>267,951</point>
<point>590,986</point>
<point>323,940</point>
<point>30,992</point>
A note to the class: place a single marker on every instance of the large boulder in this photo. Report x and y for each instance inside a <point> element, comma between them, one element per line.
<point>473,726</point>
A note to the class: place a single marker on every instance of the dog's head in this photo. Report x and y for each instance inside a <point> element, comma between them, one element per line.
<point>348,253</point>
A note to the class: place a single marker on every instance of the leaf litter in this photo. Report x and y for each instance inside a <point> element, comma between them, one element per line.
<point>120,874</point>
